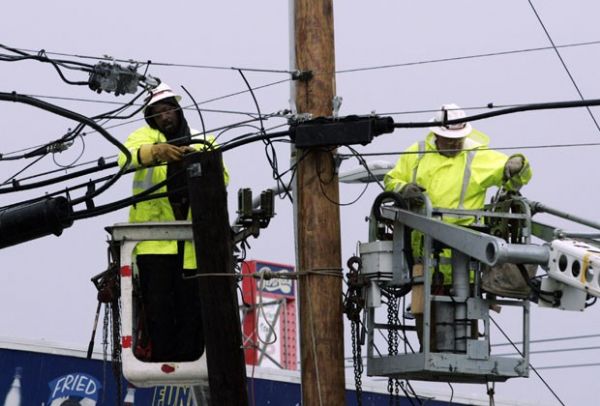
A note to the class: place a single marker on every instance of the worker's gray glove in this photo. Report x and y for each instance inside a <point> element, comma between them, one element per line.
<point>513,166</point>
<point>413,193</point>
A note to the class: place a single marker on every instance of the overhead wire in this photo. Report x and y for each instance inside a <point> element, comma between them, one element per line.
<point>103,164</point>
<point>29,165</point>
<point>167,64</point>
<point>325,182</point>
<point>339,71</point>
<point>543,146</point>
<point>57,64</point>
<point>79,99</point>
<point>566,366</point>
<point>562,61</point>
<point>270,151</point>
<point>464,57</point>
<point>547,340</point>
<point>81,119</point>
<point>530,365</point>
<point>555,350</point>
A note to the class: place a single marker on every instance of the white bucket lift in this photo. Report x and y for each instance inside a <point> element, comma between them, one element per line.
<point>138,372</point>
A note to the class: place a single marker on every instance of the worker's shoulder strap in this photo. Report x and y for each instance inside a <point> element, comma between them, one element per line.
<point>466,178</point>
<point>420,153</point>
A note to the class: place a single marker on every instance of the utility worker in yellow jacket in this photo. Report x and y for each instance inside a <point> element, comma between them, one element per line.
<point>170,301</point>
<point>456,167</point>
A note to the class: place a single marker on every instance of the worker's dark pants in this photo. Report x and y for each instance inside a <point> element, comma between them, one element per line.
<point>172,308</point>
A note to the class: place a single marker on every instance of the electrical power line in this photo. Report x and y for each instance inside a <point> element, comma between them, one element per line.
<point>553,351</point>
<point>544,146</point>
<point>563,62</point>
<point>78,99</point>
<point>570,366</point>
<point>464,57</point>
<point>546,340</point>
<point>531,366</point>
<point>341,71</point>
<point>168,64</point>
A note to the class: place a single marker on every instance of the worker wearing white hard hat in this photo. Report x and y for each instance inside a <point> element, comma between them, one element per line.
<point>455,166</point>
<point>161,92</point>
<point>171,305</point>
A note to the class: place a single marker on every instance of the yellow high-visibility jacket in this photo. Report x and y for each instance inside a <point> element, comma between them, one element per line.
<point>156,209</point>
<point>458,182</point>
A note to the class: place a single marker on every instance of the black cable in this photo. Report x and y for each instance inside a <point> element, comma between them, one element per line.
<point>117,205</point>
<point>487,106</point>
<point>78,99</point>
<point>55,63</point>
<point>252,138</point>
<point>101,165</point>
<point>82,119</point>
<point>100,162</point>
<point>17,186</point>
<point>509,110</point>
<point>363,162</point>
<point>74,162</point>
<point>563,62</point>
<point>65,191</point>
<point>546,146</point>
<point>555,295</point>
<point>131,103</point>
<point>531,366</point>
<point>208,131</point>
<point>272,157</point>
<point>147,194</point>
<point>199,113</point>
<point>323,182</point>
<point>236,126</point>
<point>22,170</point>
<point>286,187</point>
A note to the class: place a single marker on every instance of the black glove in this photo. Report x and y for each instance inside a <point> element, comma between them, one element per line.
<point>413,193</point>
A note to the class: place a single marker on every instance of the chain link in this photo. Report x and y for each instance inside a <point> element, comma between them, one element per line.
<point>354,303</point>
<point>393,324</point>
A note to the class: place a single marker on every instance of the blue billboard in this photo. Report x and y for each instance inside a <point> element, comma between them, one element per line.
<point>31,378</point>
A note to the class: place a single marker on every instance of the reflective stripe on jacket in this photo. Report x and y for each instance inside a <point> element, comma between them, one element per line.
<point>156,209</point>
<point>458,182</point>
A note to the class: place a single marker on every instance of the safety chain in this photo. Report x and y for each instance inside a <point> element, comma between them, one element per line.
<point>393,323</point>
<point>117,363</point>
<point>357,361</point>
<point>108,285</point>
<point>104,346</point>
<point>491,391</point>
<point>354,303</point>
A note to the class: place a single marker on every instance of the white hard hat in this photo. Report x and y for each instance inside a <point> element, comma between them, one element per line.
<point>161,92</point>
<point>451,112</point>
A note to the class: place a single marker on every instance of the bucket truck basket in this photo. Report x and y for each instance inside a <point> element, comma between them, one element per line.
<point>137,371</point>
<point>452,322</point>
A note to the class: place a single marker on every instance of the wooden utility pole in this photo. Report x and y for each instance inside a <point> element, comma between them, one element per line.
<point>218,296</point>
<point>317,215</point>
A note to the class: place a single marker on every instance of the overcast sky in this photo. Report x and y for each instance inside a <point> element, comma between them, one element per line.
<point>46,289</point>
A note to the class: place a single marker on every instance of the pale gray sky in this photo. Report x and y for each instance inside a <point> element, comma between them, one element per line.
<point>46,292</point>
